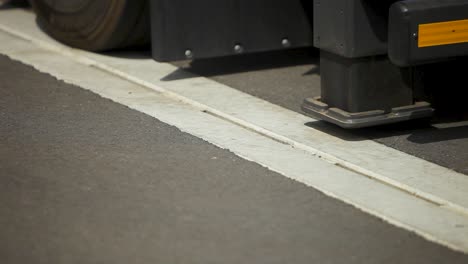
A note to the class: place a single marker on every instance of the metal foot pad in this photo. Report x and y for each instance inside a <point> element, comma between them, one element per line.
<point>314,107</point>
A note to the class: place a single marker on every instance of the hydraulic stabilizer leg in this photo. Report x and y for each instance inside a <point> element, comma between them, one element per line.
<point>365,92</point>
<point>360,86</point>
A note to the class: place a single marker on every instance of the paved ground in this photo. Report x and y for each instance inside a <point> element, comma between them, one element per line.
<point>85,180</point>
<point>286,78</point>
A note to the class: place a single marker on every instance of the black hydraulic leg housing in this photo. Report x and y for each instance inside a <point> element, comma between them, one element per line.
<point>361,85</point>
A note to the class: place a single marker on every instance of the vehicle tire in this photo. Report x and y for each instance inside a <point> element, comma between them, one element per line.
<point>95,25</point>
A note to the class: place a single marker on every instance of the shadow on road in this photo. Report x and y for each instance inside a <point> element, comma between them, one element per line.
<point>245,63</point>
<point>417,131</point>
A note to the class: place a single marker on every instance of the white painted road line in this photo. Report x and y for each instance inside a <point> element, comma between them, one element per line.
<point>308,156</point>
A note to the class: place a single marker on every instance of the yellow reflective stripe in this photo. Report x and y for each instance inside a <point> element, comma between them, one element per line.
<point>443,33</point>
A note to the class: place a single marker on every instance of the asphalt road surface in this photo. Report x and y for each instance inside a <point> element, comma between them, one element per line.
<point>86,180</point>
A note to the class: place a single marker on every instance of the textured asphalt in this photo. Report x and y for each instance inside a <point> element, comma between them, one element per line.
<point>86,180</point>
<point>285,78</point>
